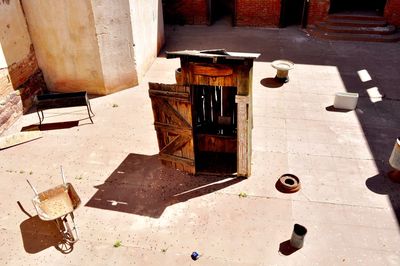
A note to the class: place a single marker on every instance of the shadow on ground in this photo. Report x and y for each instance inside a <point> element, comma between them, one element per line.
<point>286,249</point>
<point>142,185</point>
<point>378,116</point>
<point>382,185</point>
<point>51,126</point>
<point>271,83</point>
<point>38,235</point>
<point>331,108</point>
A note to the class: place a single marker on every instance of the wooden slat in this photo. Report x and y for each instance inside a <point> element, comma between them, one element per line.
<point>168,110</point>
<point>211,70</point>
<point>168,87</point>
<point>173,158</point>
<point>179,96</point>
<point>170,128</point>
<point>243,135</point>
<point>175,144</point>
<point>217,143</point>
<point>227,81</point>
<point>18,138</point>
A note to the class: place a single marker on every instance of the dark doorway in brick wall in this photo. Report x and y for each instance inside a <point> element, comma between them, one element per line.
<point>357,6</point>
<point>221,10</point>
<point>292,12</point>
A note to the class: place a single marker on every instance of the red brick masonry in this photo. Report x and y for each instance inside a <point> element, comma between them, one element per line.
<point>392,12</point>
<point>258,13</point>
<point>13,105</point>
<point>317,11</point>
<point>185,12</point>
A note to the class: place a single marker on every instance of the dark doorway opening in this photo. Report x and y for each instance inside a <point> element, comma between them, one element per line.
<point>221,10</point>
<point>215,129</point>
<point>293,12</point>
<point>357,6</point>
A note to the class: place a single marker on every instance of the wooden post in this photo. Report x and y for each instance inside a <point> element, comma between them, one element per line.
<point>243,136</point>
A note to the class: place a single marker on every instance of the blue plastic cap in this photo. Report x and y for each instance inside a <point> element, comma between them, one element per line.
<point>195,255</point>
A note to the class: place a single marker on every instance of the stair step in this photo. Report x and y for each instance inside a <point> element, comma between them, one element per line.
<point>357,17</point>
<point>354,37</point>
<point>385,30</point>
<point>355,23</point>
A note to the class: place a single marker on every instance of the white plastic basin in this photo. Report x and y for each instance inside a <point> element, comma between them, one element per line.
<point>345,100</point>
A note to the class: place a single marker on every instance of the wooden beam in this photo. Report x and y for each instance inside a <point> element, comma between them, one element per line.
<point>172,129</point>
<point>178,96</point>
<point>243,136</point>
<point>177,143</point>
<point>171,112</point>
<point>211,70</point>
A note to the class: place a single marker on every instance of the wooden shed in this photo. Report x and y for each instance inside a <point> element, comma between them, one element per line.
<point>204,121</point>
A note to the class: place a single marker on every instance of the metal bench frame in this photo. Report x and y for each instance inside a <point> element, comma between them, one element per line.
<point>62,100</point>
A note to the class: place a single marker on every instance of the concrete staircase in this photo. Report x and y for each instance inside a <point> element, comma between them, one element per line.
<point>350,27</point>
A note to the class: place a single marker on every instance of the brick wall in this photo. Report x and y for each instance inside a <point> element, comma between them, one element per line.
<point>185,12</point>
<point>200,12</point>
<point>19,83</point>
<point>258,13</point>
<point>392,12</point>
<point>18,102</point>
<point>317,11</point>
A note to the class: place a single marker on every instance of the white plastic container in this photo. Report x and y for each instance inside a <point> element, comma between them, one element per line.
<point>394,159</point>
<point>345,100</point>
<point>298,234</point>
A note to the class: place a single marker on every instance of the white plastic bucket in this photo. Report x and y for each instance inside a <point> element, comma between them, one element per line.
<point>298,234</point>
<point>345,100</point>
<point>394,159</point>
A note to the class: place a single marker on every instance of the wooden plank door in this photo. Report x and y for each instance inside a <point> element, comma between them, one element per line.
<point>172,111</point>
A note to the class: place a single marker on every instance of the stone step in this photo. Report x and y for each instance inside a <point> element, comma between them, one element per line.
<point>355,23</point>
<point>385,30</point>
<point>395,37</point>
<point>357,17</point>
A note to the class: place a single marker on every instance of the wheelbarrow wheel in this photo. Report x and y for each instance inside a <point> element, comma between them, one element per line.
<point>65,246</point>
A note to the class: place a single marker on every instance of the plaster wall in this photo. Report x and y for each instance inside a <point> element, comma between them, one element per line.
<point>14,35</point>
<point>18,66</point>
<point>148,32</point>
<point>5,81</point>
<point>115,41</point>
<point>64,37</point>
<point>3,62</point>
<point>17,60</point>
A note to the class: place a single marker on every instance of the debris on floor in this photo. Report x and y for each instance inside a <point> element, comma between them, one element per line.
<point>195,255</point>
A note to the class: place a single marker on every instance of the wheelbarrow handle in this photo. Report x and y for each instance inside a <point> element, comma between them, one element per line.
<point>62,175</point>
<point>33,188</point>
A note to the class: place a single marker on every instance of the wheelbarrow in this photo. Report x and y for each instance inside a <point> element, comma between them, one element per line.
<point>56,204</point>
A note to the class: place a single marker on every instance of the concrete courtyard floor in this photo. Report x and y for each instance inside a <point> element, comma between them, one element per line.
<point>161,216</point>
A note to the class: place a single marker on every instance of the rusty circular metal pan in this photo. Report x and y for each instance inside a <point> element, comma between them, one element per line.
<point>288,183</point>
